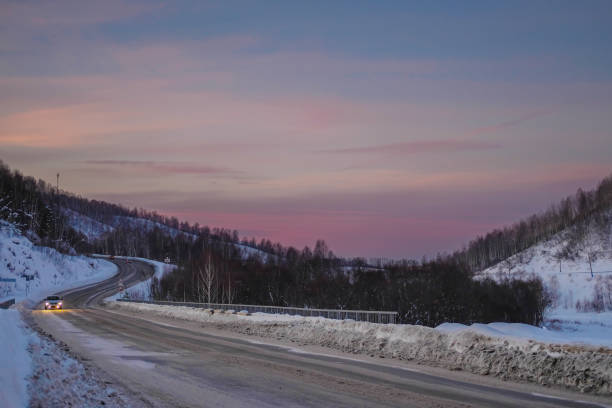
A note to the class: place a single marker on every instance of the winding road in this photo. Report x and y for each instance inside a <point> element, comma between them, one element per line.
<point>169,363</point>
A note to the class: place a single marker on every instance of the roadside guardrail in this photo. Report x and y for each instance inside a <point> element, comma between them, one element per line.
<point>6,304</point>
<point>357,315</point>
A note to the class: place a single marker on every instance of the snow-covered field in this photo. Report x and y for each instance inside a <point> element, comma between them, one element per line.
<point>51,270</point>
<point>510,351</point>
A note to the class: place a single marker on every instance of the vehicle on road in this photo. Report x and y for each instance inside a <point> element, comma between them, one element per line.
<point>54,302</point>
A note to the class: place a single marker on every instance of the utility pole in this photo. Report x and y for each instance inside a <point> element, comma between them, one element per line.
<point>57,209</point>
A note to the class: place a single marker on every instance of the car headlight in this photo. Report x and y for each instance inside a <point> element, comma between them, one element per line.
<point>46,303</point>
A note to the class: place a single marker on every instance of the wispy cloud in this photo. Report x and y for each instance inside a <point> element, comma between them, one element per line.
<point>167,167</point>
<point>509,123</point>
<point>44,13</point>
<point>422,146</point>
<point>443,146</point>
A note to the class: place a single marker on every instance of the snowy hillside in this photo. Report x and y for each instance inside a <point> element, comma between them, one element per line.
<point>94,229</point>
<point>51,271</point>
<point>89,227</point>
<point>564,264</point>
<point>146,225</point>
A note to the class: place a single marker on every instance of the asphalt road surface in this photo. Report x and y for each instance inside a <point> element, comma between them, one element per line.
<point>182,364</point>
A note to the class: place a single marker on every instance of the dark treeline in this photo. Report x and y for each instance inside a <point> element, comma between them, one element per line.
<point>32,205</point>
<point>427,293</point>
<point>215,265</point>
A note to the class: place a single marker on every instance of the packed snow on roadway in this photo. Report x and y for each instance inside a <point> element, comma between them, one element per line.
<point>37,371</point>
<point>33,369</point>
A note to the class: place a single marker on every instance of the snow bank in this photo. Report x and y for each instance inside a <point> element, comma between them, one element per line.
<point>559,332</point>
<point>15,361</point>
<point>51,270</point>
<point>60,380</point>
<point>497,350</point>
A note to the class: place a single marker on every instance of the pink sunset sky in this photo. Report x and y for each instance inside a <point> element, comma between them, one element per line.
<point>387,130</point>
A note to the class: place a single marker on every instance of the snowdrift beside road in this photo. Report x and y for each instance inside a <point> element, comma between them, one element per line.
<point>578,333</point>
<point>583,368</point>
<point>15,361</point>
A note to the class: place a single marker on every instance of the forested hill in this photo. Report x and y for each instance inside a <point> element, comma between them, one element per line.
<point>426,292</point>
<point>575,216</point>
<point>68,222</point>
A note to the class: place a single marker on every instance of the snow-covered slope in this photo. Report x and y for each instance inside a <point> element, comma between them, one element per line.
<point>89,227</point>
<point>146,225</point>
<point>29,363</point>
<point>51,271</point>
<point>95,229</point>
<point>567,278</point>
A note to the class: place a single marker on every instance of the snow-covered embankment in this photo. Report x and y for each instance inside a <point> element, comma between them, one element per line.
<point>40,271</point>
<point>15,361</point>
<point>578,367</point>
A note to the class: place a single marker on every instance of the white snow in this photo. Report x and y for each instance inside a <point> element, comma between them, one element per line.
<point>553,333</point>
<point>52,271</point>
<point>15,361</point>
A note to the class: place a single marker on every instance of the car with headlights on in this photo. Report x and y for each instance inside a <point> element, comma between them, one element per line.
<point>54,302</point>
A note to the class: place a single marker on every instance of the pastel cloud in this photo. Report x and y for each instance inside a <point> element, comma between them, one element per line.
<point>41,13</point>
<point>510,123</point>
<point>423,146</point>
<point>167,167</point>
